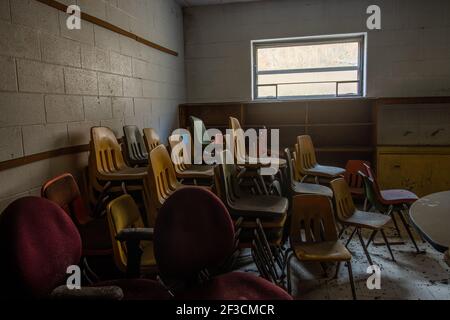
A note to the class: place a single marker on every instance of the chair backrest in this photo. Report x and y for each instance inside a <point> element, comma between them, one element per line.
<point>198,130</point>
<point>312,219</point>
<point>162,180</point>
<point>38,241</point>
<point>238,139</point>
<point>354,180</point>
<point>151,139</point>
<point>122,213</point>
<point>64,191</point>
<point>371,189</point>
<point>106,151</point>
<point>226,180</point>
<point>135,145</point>
<point>297,174</point>
<point>344,204</point>
<point>193,232</point>
<point>177,153</point>
<point>306,153</point>
<point>290,163</point>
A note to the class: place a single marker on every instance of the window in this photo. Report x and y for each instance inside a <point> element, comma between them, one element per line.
<point>324,66</point>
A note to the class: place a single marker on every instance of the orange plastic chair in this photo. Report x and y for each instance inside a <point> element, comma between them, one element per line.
<point>308,164</point>
<point>353,179</point>
<point>313,235</point>
<point>64,191</point>
<point>151,139</point>
<point>349,216</point>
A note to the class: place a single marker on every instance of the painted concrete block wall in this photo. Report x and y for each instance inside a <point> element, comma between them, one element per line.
<point>410,56</point>
<point>55,83</point>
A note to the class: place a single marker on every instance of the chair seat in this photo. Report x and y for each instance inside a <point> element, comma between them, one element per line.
<point>272,223</point>
<point>95,237</point>
<point>322,251</point>
<point>324,171</point>
<point>261,206</point>
<point>236,286</point>
<point>311,188</point>
<point>196,171</point>
<point>126,173</point>
<point>139,289</point>
<point>267,162</point>
<point>398,196</point>
<point>370,220</point>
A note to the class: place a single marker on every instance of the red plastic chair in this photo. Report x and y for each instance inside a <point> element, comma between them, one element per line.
<point>194,234</point>
<point>395,197</point>
<point>64,191</point>
<point>38,242</point>
<point>353,179</point>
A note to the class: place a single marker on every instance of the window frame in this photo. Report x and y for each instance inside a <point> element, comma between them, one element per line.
<point>361,38</point>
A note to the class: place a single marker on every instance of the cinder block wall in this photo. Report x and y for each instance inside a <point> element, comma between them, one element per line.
<point>409,56</point>
<point>56,83</point>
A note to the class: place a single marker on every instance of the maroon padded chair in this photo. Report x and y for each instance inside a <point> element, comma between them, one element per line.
<point>194,233</point>
<point>38,241</point>
<point>64,191</point>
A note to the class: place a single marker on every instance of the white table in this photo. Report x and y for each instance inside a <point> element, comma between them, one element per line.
<point>431,216</point>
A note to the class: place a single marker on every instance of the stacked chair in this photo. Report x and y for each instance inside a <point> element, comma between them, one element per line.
<point>270,210</point>
<point>198,132</point>
<point>389,202</point>
<point>185,171</point>
<point>296,187</point>
<point>107,164</point>
<point>308,164</point>
<point>151,139</point>
<point>135,150</point>
<point>349,216</point>
<point>160,183</point>
<point>252,167</point>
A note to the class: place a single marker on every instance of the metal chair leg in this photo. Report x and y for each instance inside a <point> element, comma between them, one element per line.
<point>372,236</point>
<point>342,231</point>
<point>288,270</point>
<point>396,224</point>
<point>405,224</point>
<point>337,270</point>
<point>364,246</point>
<point>350,238</point>
<point>387,244</point>
<point>350,276</point>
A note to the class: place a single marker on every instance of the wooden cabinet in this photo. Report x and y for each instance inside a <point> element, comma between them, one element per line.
<point>423,170</point>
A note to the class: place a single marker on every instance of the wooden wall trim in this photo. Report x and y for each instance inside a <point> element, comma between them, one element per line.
<point>13,163</point>
<point>102,23</point>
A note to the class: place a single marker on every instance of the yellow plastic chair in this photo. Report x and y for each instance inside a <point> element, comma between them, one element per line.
<point>123,216</point>
<point>161,181</point>
<point>151,139</point>
<point>349,216</point>
<point>313,236</point>
<point>107,158</point>
<point>187,171</point>
<point>308,164</point>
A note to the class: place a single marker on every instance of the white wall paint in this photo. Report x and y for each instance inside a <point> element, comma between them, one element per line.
<point>410,56</point>
<point>55,84</point>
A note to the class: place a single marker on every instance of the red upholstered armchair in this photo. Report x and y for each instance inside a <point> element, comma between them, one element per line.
<point>193,237</point>
<point>38,242</point>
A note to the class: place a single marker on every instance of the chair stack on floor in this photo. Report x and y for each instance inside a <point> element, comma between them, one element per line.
<point>146,211</point>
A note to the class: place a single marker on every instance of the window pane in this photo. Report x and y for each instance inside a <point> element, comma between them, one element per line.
<point>331,76</point>
<point>350,88</point>
<point>308,56</point>
<point>267,92</point>
<point>311,89</point>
